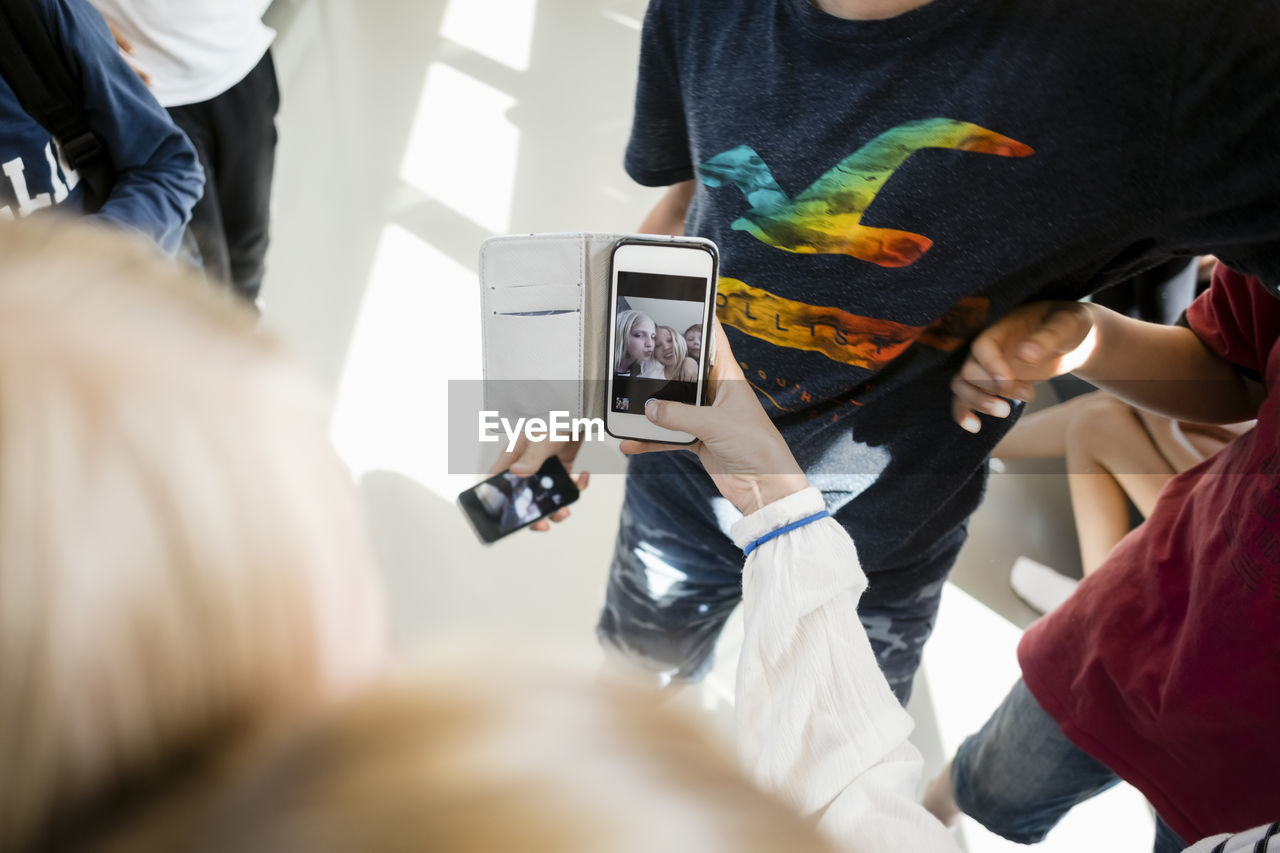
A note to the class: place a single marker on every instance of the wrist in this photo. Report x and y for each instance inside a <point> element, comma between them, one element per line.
<point>1083,360</point>
<point>771,488</point>
<point>797,506</point>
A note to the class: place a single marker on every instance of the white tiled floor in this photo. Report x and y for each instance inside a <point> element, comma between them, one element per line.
<point>410,131</point>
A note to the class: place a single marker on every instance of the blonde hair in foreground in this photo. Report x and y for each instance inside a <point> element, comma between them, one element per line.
<point>181,555</point>
<point>507,758</point>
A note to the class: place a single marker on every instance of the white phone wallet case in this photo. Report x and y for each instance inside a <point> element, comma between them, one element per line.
<point>545,300</point>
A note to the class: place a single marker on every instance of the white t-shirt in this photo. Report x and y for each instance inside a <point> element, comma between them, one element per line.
<point>193,50</point>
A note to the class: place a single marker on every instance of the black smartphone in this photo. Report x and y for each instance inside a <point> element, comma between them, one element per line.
<point>663,296</point>
<point>505,503</point>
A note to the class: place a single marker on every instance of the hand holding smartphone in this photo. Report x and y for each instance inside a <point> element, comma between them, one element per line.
<point>662,301</point>
<point>506,502</point>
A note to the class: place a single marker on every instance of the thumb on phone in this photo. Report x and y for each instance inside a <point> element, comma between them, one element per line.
<point>678,416</point>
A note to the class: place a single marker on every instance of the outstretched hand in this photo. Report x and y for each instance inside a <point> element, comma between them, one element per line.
<point>526,457</point>
<point>737,443</point>
<point>1032,343</point>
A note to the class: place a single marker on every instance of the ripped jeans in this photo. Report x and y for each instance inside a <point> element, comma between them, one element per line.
<point>676,577</point>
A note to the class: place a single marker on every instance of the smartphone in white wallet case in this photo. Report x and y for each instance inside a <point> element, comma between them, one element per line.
<point>550,311</point>
<point>662,299</point>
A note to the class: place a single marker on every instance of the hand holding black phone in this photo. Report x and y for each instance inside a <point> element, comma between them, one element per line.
<point>504,503</point>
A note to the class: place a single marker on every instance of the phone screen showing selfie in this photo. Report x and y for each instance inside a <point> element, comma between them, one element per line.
<point>659,328</point>
<point>504,503</point>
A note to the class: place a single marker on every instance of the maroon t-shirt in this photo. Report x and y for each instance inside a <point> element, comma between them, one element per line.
<point>1165,664</point>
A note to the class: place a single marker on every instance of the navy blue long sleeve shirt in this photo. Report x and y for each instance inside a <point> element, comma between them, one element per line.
<point>157,176</point>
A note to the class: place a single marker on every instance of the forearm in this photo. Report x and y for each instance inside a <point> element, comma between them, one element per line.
<point>668,215</point>
<point>1164,369</point>
<point>157,177</point>
<point>817,722</point>
<point>155,201</point>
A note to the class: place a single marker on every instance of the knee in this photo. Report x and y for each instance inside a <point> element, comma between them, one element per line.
<point>993,798</point>
<point>628,645</point>
<point>1102,411</point>
<point>661,637</point>
<point>1100,421</point>
<point>626,667</point>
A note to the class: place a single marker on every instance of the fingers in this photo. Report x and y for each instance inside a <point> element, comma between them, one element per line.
<point>975,391</point>
<point>695,420</point>
<point>1056,340</point>
<point>1030,343</point>
<point>631,447</point>
<point>975,398</point>
<point>535,453</point>
<point>988,369</point>
<point>1057,337</point>
<point>964,416</point>
<point>526,457</point>
<point>126,48</point>
<point>671,415</point>
<point>976,383</point>
<point>507,457</point>
<point>543,525</point>
<point>726,367</point>
<point>121,41</point>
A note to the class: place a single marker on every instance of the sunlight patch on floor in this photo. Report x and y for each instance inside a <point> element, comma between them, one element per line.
<point>462,149</point>
<point>418,327</point>
<point>971,665</point>
<point>471,24</point>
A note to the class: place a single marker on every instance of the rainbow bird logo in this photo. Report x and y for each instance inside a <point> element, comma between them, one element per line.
<point>826,218</point>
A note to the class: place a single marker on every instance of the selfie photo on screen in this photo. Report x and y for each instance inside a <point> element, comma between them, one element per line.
<point>651,358</point>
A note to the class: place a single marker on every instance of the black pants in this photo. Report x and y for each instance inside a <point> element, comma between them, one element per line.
<point>234,135</point>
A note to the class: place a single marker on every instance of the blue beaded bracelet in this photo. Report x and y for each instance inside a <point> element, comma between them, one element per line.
<point>773,534</point>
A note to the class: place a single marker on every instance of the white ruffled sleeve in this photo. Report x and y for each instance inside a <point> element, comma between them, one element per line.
<point>817,722</point>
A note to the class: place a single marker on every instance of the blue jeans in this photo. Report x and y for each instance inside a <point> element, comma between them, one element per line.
<point>676,577</point>
<point>1019,774</point>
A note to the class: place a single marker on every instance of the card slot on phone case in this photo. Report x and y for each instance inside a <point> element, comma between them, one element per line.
<point>520,261</point>
<point>562,279</point>
<point>536,313</point>
<point>542,299</point>
<point>533,363</point>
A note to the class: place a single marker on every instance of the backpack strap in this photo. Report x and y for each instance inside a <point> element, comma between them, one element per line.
<point>38,74</point>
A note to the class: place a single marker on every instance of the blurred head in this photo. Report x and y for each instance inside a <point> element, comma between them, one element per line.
<point>670,348</point>
<point>693,339</point>
<point>519,759</point>
<point>181,554</point>
<point>633,340</point>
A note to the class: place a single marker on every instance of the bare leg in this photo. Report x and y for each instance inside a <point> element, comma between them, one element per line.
<point>1186,444</point>
<point>1043,434</point>
<point>940,799</point>
<point>1110,454</point>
